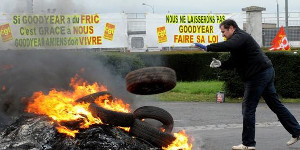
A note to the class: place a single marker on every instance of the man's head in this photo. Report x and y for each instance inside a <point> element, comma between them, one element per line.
<point>227,27</point>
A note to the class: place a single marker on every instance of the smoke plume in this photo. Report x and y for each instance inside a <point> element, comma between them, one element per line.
<point>24,72</point>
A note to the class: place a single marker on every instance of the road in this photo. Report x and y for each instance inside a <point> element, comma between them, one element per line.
<point>218,126</point>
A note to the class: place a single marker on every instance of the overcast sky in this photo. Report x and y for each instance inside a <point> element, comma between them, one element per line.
<point>135,6</point>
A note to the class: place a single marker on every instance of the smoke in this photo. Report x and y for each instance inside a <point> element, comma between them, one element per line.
<point>24,72</point>
<point>58,7</point>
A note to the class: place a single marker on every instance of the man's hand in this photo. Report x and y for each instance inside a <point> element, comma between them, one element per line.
<point>215,63</point>
<point>201,46</point>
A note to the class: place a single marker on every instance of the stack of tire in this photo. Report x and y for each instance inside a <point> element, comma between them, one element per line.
<point>145,81</point>
<point>158,136</point>
<point>148,81</point>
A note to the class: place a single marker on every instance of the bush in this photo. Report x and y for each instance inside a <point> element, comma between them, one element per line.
<point>287,73</point>
<point>189,65</point>
<point>233,85</point>
<point>287,83</point>
<point>120,63</point>
<point>194,66</point>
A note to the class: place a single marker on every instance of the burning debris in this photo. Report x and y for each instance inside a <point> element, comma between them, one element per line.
<point>39,132</point>
<point>154,80</point>
<point>61,106</point>
<point>89,117</point>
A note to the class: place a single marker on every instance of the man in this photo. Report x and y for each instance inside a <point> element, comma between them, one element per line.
<point>256,70</point>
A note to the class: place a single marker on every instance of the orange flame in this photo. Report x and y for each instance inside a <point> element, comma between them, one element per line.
<point>61,106</point>
<point>115,105</point>
<point>65,130</point>
<point>181,142</point>
<point>3,88</point>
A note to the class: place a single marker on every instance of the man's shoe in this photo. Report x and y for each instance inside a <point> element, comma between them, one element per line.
<point>242,147</point>
<point>292,141</point>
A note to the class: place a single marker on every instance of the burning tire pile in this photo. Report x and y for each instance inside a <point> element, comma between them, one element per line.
<point>96,125</point>
<point>145,81</point>
<point>160,137</point>
<point>37,132</point>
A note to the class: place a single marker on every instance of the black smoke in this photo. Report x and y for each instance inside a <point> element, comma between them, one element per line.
<point>24,72</point>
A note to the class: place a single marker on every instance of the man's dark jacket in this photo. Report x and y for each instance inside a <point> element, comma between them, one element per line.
<point>246,55</point>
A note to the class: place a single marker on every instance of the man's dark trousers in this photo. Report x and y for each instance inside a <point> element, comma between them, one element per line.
<point>262,84</point>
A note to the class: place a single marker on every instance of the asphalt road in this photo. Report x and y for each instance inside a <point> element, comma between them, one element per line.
<point>218,126</point>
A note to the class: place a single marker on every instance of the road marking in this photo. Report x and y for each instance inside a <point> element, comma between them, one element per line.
<point>227,126</point>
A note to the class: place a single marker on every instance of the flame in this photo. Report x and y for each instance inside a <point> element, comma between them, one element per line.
<point>125,128</point>
<point>3,88</point>
<point>61,106</point>
<point>65,130</point>
<point>115,105</point>
<point>181,142</point>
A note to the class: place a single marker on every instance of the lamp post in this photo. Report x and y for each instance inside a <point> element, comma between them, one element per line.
<point>152,7</point>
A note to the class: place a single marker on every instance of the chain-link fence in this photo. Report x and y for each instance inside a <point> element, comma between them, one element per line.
<point>272,23</point>
<point>293,35</point>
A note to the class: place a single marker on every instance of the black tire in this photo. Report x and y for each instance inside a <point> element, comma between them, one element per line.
<point>155,113</point>
<point>150,80</point>
<point>149,133</point>
<point>92,97</point>
<point>111,117</point>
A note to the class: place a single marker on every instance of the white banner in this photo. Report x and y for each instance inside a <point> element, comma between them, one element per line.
<point>63,31</point>
<point>175,30</point>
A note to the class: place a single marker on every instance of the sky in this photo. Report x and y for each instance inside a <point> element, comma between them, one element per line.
<point>135,6</point>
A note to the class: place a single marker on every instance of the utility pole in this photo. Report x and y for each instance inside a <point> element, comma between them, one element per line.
<point>286,14</point>
<point>32,6</point>
<point>277,14</point>
<point>286,18</point>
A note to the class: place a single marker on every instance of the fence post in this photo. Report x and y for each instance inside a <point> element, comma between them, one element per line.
<point>254,22</point>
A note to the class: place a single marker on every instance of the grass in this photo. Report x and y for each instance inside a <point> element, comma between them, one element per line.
<point>203,91</point>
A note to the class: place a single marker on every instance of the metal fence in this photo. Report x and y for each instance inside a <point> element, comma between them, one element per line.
<point>293,35</point>
<point>293,18</point>
<point>272,23</point>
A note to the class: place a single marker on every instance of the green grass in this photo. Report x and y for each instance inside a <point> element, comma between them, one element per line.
<point>193,91</point>
<point>204,87</point>
<point>203,91</point>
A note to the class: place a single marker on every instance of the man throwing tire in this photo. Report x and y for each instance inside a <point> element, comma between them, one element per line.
<point>257,73</point>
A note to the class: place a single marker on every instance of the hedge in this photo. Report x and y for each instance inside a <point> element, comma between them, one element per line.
<point>120,63</point>
<point>287,73</point>
<point>194,66</point>
<point>188,65</point>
